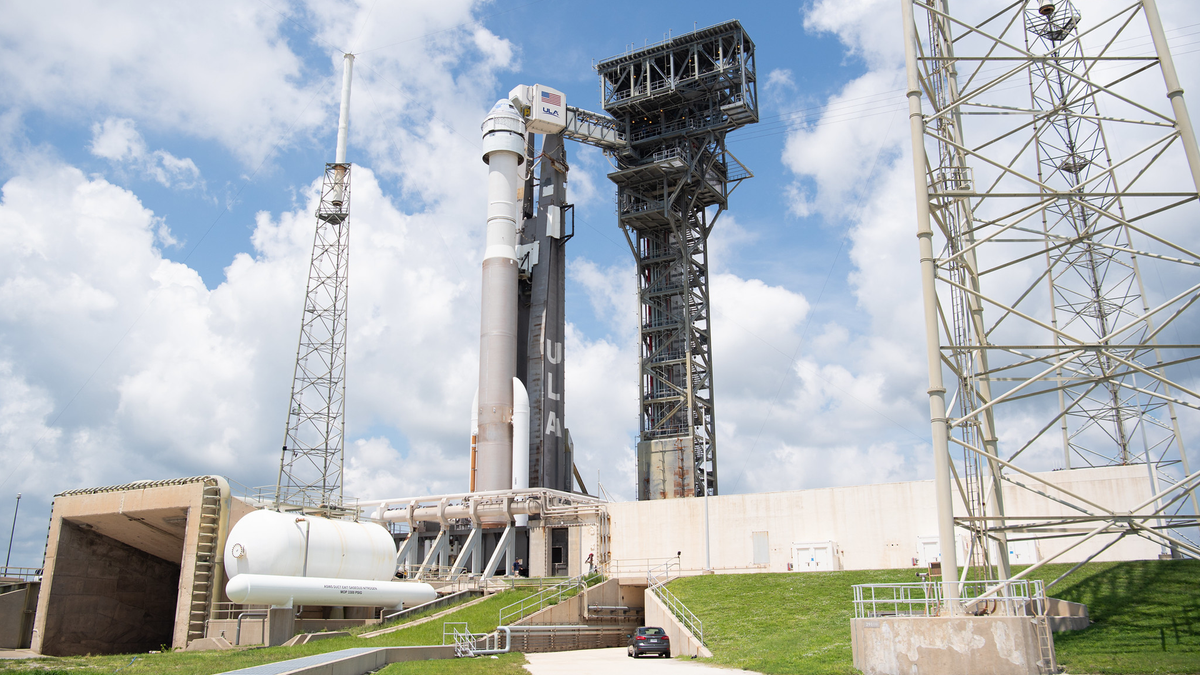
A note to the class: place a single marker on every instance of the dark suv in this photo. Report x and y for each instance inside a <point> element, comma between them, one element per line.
<point>649,640</point>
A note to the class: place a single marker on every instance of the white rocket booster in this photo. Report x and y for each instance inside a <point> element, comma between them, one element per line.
<point>504,151</point>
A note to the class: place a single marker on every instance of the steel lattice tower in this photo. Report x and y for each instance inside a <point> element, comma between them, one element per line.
<point>675,102</point>
<point>1046,345</point>
<point>310,469</point>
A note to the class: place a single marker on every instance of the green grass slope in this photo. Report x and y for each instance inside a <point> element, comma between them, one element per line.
<point>481,618</point>
<point>1146,617</point>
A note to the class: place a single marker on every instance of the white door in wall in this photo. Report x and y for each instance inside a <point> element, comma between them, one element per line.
<point>813,557</point>
<point>928,550</point>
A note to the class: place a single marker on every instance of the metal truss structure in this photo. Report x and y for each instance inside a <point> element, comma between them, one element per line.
<point>310,471</point>
<point>1056,197</point>
<point>673,103</point>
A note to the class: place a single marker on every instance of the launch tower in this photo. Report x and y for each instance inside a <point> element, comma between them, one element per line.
<point>674,103</point>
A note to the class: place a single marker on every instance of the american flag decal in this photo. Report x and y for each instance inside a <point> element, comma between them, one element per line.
<point>551,99</point>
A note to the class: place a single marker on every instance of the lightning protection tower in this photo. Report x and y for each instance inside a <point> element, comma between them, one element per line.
<point>675,102</point>
<point>1059,270</point>
<point>310,470</point>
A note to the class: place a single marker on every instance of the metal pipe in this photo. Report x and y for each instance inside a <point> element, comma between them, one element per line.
<point>503,151</point>
<point>237,640</point>
<point>937,389</point>
<point>574,497</point>
<point>485,512</point>
<point>507,643</point>
<point>307,531</point>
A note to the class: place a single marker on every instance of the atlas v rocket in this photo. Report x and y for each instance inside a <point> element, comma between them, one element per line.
<point>515,347</point>
<point>499,388</point>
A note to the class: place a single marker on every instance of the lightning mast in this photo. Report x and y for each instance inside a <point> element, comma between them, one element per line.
<point>310,470</point>
<point>1040,226</point>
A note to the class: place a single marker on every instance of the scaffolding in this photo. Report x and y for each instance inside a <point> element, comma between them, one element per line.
<point>310,471</point>
<point>674,102</point>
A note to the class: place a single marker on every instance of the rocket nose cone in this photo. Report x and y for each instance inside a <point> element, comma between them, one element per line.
<point>504,116</point>
<point>502,106</point>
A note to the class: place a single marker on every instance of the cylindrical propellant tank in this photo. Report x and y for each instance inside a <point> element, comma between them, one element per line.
<point>504,151</point>
<point>288,544</point>
<point>259,589</point>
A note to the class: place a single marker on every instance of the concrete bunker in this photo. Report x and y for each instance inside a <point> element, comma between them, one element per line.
<point>135,567</point>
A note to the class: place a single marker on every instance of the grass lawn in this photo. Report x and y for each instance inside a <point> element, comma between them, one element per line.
<point>481,618</point>
<point>780,623</point>
<point>1146,617</point>
<point>1145,614</point>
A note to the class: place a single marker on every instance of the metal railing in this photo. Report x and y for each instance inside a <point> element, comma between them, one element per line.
<point>977,598</point>
<point>657,579</point>
<point>21,573</point>
<point>467,644</point>
<point>549,596</point>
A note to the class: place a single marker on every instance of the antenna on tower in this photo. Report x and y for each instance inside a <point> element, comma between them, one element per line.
<point>310,469</point>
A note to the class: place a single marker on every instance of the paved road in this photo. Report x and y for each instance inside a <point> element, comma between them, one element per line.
<point>610,661</point>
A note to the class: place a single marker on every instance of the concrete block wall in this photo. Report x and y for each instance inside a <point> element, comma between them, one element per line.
<point>873,526</point>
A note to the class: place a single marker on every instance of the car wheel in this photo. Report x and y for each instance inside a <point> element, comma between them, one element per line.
<point>667,654</point>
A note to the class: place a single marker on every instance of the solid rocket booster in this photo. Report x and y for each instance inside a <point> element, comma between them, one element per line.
<point>503,151</point>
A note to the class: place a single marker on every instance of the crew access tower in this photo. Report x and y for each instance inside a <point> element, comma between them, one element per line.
<point>675,102</point>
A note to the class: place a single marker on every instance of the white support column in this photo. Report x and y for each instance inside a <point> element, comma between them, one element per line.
<point>937,389</point>
<point>1183,123</point>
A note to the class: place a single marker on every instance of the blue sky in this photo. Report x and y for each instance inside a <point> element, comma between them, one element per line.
<point>158,172</point>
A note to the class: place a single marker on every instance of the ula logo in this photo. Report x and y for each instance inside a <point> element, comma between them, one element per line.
<point>552,113</point>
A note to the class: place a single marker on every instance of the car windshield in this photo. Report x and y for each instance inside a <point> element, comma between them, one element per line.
<point>652,631</point>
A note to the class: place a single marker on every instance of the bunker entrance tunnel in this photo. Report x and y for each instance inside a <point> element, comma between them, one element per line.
<point>135,567</point>
<point>116,583</point>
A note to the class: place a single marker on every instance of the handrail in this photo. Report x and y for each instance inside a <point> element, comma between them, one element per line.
<point>657,579</point>
<point>1007,598</point>
<point>24,574</point>
<point>536,602</point>
<point>466,643</point>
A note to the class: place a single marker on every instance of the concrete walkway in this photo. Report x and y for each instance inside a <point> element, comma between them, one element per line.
<point>19,654</point>
<point>615,660</point>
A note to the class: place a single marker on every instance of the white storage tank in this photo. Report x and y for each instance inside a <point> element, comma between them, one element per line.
<point>282,544</point>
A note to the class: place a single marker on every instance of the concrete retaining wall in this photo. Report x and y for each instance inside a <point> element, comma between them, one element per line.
<point>682,640</point>
<point>989,645</point>
<point>17,603</point>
